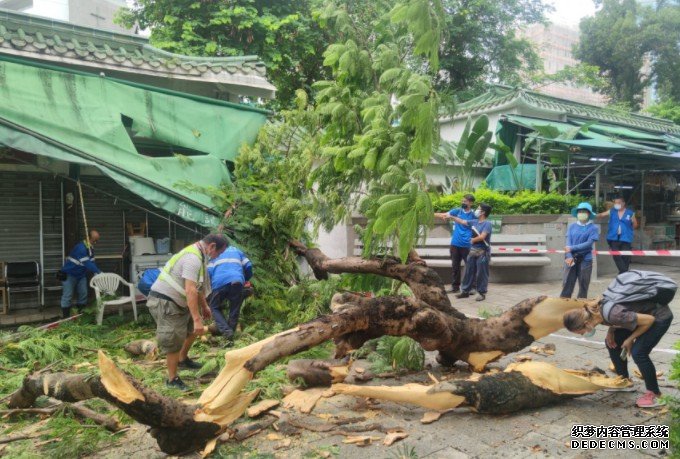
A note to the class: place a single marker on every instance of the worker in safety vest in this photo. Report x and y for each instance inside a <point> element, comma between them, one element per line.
<point>228,275</point>
<point>73,274</point>
<point>174,301</point>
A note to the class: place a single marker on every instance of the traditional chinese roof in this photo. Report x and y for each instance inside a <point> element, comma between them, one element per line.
<point>130,57</point>
<point>504,98</point>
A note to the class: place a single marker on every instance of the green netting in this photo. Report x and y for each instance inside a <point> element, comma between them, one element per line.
<point>501,178</point>
<point>84,116</point>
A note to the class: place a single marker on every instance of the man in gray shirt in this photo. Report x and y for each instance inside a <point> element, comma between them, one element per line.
<point>174,301</point>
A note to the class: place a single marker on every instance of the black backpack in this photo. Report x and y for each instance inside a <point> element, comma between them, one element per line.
<point>638,286</point>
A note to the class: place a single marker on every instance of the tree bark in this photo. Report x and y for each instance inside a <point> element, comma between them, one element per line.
<point>427,317</point>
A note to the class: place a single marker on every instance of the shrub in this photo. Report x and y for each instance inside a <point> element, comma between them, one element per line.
<point>522,202</point>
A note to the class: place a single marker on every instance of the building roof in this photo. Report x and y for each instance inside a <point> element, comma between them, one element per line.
<point>504,97</point>
<point>130,57</point>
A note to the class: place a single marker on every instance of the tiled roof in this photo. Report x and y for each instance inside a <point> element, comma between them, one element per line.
<point>504,96</point>
<point>57,41</point>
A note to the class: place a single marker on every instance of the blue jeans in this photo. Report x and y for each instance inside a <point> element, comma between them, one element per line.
<point>73,284</point>
<point>234,294</point>
<point>476,270</point>
<point>642,346</point>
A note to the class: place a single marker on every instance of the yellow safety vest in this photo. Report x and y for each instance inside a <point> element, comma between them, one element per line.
<point>166,277</point>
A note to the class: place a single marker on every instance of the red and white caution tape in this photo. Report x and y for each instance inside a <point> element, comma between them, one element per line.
<point>636,253</point>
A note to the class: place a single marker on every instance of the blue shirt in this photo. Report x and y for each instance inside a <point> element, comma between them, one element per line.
<point>461,233</point>
<point>620,229</point>
<point>481,227</point>
<point>232,266</point>
<point>80,260</point>
<point>580,238</point>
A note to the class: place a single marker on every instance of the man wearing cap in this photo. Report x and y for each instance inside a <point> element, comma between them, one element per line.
<point>578,258</point>
<point>177,302</point>
<point>622,224</point>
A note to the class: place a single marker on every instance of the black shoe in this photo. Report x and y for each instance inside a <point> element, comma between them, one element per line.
<point>176,384</point>
<point>480,297</point>
<point>190,364</point>
<point>453,290</point>
<point>463,295</point>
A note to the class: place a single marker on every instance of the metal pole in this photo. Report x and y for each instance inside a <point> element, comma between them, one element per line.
<point>642,211</point>
<point>42,245</point>
<point>538,168</point>
<point>568,171</point>
<point>597,190</point>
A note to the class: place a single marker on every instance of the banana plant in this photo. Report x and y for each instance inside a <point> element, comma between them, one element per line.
<point>469,151</point>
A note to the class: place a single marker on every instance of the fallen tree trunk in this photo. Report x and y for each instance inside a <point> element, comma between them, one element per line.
<point>522,386</point>
<point>427,317</point>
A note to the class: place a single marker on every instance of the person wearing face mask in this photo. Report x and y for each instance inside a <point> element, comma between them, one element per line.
<point>177,301</point>
<point>460,238</point>
<point>634,329</point>
<point>578,258</point>
<point>477,263</point>
<point>622,223</point>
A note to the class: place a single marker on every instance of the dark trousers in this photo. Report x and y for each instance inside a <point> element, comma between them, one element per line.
<point>622,262</point>
<point>458,254</point>
<point>642,347</point>
<point>234,294</point>
<point>476,272</point>
<point>581,271</point>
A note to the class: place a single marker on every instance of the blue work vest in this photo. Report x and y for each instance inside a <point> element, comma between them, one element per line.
<point>625,223</point>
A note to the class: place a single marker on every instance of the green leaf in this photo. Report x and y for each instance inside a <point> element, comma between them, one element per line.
<point>407,234</point>
<point>462,143</point>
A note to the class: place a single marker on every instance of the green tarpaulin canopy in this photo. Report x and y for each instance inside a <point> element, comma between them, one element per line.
<point>93,120</point>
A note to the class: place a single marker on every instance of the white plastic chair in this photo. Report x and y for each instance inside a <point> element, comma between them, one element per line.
<point>107,283</point>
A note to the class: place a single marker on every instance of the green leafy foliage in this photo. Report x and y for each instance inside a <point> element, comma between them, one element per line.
<point>667,109</point>
<point>283,34</point>
<point>621,37</point>
<point>674,404</point>
<point>480,43</point>
<point>395,353</point>
<point>470,151</point>
<point>523,202</point>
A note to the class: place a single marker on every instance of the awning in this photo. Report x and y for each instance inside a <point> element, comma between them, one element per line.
<point>95,121</point>
<point>593,138</point>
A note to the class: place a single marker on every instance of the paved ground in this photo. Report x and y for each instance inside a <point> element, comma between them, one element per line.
<point>461,434</point>
<point>543,433</point>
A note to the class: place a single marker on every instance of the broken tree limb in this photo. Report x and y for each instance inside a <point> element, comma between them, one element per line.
<point>427,317</point>
<point>144,347</point>
<point>317,372</point>
<point>172,422</point>
<point>523,385</point>
<point>108,422</point>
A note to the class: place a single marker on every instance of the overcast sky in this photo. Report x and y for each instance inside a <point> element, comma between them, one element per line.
<point>570,12</point>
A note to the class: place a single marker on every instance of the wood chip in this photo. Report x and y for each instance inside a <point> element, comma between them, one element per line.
<point>612,367</point>
<point>303,400</point>
<point>637,373</point>
<point>430,417</point>
<point>209,448</point>
<point>393,437</point>
<point>285,443</point>
<point>523,358</point>
<point>432,377</point>
<point>274,437</point>
<point>536,449</point>
<point>359,370</point>
<point>659,374</point>
<point>261,407</point>
<point>360,440</point>
<point>328,393</point>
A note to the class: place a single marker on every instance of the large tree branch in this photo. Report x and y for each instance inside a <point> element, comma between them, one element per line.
<point>424,282</point>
